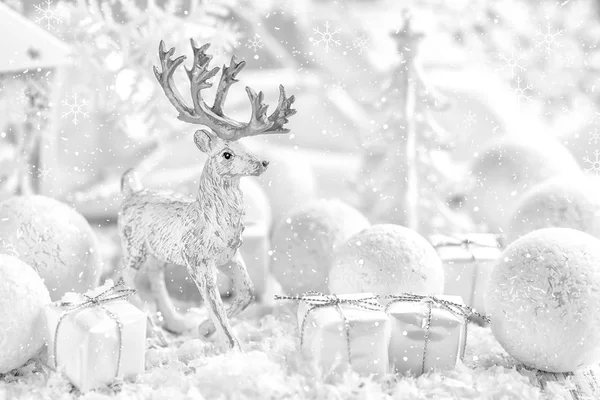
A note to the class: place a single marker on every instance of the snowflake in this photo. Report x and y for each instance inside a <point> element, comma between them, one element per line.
<point>326,37</point>
<point>521,92</point>
<point>43,173</point>
<point>22,96</point>
<point>512,63</point>
<point>361,44</point>
<point>255,43</point>
<point>75,109</point>
<point>549,38</point>
<point>469,119</point>
<point>48,15</point>
<point>594,164</point>
<point>336,86</point>
<point>595,136</point>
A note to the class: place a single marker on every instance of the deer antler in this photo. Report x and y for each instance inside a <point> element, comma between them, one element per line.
<point>214,117</point>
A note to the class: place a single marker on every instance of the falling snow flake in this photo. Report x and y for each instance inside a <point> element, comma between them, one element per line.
<point>255,43</point>
<point>595,136</point>
<point>47,15</point>
<point>361,44</point>
<point>75,109</point>
<point>548,40</point>
<point>512,63</point>
<point>43,173</point>
<point>326,37</point>
<point>594,164</point>
<point>22,96</point>
<point>521,92</point>
<point>469,119</point>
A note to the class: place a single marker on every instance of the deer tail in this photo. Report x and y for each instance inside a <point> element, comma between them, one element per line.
<point>130,183</point>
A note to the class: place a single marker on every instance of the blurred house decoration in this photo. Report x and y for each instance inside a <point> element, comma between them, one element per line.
<point>31,72</point>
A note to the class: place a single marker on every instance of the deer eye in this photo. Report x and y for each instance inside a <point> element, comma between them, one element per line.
<point>227,155</point>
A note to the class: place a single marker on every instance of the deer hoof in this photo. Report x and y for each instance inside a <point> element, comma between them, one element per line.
<point>206,328</point>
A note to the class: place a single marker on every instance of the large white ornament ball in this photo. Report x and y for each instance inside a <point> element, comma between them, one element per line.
<point>560,202</point>
<point>54,239</point>
<point>387,259</point>
<point>303,243</point>
<point>505,169</point>
<point>544,299</point>
<point>23,296</point>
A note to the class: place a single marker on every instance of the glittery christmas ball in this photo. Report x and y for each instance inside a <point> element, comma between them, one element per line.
<point>387,259</point>
<point>560,202</point>
<point>54,239</point>
<point>543,297</point>
<point>23,296</point>
<point>303,243</point>
<point>505,169</point>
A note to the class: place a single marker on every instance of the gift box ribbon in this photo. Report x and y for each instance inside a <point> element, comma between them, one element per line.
<point>466,242</point>
<point>116,292</point>
<point>319,300</point>
<point>459,310</point>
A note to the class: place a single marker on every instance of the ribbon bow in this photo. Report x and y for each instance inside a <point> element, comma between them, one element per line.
<point>319,300</point>
<point>116,292</point>
<point>467,241</point>
<point>459,310</point>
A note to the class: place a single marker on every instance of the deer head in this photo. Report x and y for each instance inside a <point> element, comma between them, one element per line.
<point>213,117</point>
<point>227,158</point>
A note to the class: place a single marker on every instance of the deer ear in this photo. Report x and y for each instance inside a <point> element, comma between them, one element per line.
<point>204,140</point>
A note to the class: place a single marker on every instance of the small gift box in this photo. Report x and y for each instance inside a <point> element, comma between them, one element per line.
<point>96,337</point>
<point>341,332</point>
<point>582,384</point>
<point>427,332</point>
<point>468,262</point>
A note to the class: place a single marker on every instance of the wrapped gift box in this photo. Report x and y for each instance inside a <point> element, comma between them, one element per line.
<point>468,261</point>
<point>427,332</point>
<point>97,337</point>
<point>341,332</point>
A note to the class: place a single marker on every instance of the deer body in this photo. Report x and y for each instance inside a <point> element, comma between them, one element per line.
<point>203,235</point>
<point>172,227</point>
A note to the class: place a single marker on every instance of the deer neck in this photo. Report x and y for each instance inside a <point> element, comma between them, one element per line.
<point>220,197</point>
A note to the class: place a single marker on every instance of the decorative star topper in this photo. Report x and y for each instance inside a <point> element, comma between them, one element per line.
<point>407,40</point>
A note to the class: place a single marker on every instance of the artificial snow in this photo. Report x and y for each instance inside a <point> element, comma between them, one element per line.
<point>272,367</point>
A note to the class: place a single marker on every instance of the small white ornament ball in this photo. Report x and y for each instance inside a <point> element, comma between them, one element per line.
<point>303,243</point>
<point>23,296</point>
<point>544,299</point>
<point>505,169</point>
<point>54,239</point>
<point>288,182</point>
<point>387,259</point>
<point>560,202</point>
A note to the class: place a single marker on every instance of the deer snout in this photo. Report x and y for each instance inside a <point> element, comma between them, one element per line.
<point>265,164</point>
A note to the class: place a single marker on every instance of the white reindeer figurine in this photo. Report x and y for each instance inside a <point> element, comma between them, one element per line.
<point>202,234</point>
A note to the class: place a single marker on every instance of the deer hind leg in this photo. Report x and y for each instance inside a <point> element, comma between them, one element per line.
<point>205,277</point>
<point>242,287</point>
<point>174,321</point>
<point>133,260</point>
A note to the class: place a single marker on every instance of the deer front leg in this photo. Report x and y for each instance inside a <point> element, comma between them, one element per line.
<point>205,277</point>
<point>242,287</point>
